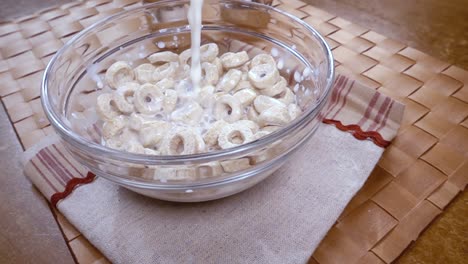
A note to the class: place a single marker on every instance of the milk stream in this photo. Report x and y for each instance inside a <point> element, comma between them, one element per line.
<point>195,21</point>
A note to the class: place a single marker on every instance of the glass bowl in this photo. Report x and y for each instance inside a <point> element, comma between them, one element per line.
<point>73,80</point>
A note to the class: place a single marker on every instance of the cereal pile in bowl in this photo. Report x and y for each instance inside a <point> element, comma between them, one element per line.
<point>155,108</point>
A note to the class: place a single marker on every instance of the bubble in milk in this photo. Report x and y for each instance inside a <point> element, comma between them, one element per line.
<point>306,73</point>
<point>280,64</point>
<point>274,52</point>
<point>161,45</point>
<point>297,76</point>
<point>296,88</point>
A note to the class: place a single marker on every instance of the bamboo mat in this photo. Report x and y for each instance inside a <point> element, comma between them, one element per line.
<point>418,175</point>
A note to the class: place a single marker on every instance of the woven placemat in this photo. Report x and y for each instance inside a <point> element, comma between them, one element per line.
<point>418,175</point>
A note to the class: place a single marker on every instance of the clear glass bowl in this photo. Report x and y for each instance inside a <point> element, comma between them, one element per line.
<point>73,77</point>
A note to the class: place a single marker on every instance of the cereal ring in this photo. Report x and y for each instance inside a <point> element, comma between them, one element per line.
<point>170,100</point>
<point>276,115</point>
<point>218,95</point>
<point>120,140</point>
<point>114,143</point>
<point>260,134</point>
<point>211,136</point>
<point>287,97</point>
<point>190,114</point>
<point>128,135</point>
<point>262,59</point>
<point>182,72</point>
<point>148,99</point>
<point>211,169</point>
<point>128,91</point>
<point>270,129</point>
<point>252,114</point>
<point>149,151</point>
<point>235,165</point>
<point>134,147</point>
<point>180,142</point>
<point>164,71</point>
<point>294,111</point>
<point>166,83</point>
<point>208,52</point>
<point>165,174</point>
<point>245,68</point>
<point>264,155</point>
<point>205,97</point>
<point>186,173</point>
<point>111,105</point>
<point>152,133</point>
<point>263,102</point>
<point>263,76</point>
<point>163,57</point>
<point>118,74</point>
<point>246,96</point>
<point>121,104</point>
<point>228,108</point>
<point>210,73</point>
<point>233,60</point>
<point>200,143</point>
<point>136,121</point>
<point>113,127</point>
<point>185,56</point>
<point>219,65</point>
<point>243,85</point>
<point>229,80</point>
<point>276,89</point>
<point>144,73</point>
<point>248,123</point>
<point>234,135</point>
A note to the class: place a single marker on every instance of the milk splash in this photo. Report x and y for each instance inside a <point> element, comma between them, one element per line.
<point>195,21</point>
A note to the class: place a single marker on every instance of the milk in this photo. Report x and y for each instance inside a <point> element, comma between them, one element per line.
<point>195,21</point>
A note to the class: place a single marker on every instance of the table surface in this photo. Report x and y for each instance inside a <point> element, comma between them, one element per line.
<point>32,234</point>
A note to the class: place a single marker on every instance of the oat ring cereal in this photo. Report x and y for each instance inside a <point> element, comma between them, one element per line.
<point>118,74</point>
<point>148,99</point>
<point>229,80</point>
<point>181,142</point>
<point>153,108</point>
<point>166,70</point>
<point>211,74</point>
<point>262,59</point>
<point>144,73</point>
<point>208,52</point>
<point>163,57</point>
<point>234,135</point>
<point>112,105</point>
<point>128,91</point>
<point>233,60</point>
<point>228,108</point>
<point>263,76</point>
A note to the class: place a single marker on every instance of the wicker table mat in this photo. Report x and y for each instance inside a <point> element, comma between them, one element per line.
<point>418,175</point>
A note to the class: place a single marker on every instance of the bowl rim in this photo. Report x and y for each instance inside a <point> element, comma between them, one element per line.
<point>91,147</point>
